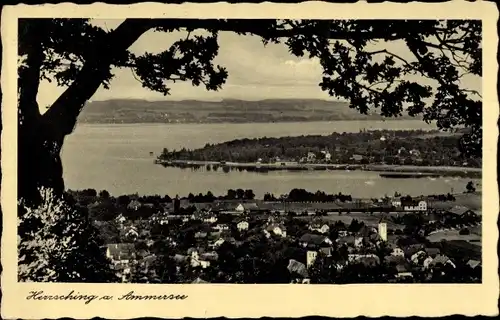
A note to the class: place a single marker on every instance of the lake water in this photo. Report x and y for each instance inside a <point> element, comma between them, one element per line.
<point>116,158</point>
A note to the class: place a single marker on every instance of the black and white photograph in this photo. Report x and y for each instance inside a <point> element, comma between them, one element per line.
<point>158,147</point>
<point>249,151</point>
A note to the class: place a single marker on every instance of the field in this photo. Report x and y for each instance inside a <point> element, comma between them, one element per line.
<point>369,220</point>
<point>450,235</point>
<point>472,201</point>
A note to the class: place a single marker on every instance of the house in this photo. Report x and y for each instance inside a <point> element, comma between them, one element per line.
<point>199,281</point>
<point>311,258</point>
<point>347,240</point>
<point>427,262</point>
<point>321,228</point>
<point>200,259</point>
<point>415,153</point>
<point>434,217</point>
<point>267,234</point>
<point>369,260</point>
<point>131,233</point>
<point>402,267</point>
<point>328,156</point>
<point>474,263</point>
<point>217,243</point>
<point>357,157</point>
<point>398,252</point>
<point>120,252</point>
<point>403,271</point>
<point>342,233</point>
<point>412,249</point>
<point>210,219</point>
<point>415,206</point>
<point>277,229</point>
<point>314,240</point>
<point>221,227</point>
<point>159,218</point>
<point>179,258</point>
<point>200,235</point>
<point>418,256</point>
<point>311,157</point>
<point>327,251</point>
<point>246,207</point>
<point>120,219</point>
<point>396,203</point>
<point>382,230</point>
<point>134,205</point>
<point>240,208</point>
<point>358,242</point>
<point>242,225</point>
<point>441,259</point>
<point>297,269</point>
<point>432,252</point>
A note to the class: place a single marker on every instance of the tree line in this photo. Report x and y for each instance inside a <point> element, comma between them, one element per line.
<point>374,147</point>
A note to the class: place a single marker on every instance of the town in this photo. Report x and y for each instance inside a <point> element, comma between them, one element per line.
<point>300,237</point>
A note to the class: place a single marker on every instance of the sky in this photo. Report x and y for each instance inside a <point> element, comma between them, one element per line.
<point>255,72</point>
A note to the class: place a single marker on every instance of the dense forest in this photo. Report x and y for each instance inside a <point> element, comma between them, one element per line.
<point>415,147</point>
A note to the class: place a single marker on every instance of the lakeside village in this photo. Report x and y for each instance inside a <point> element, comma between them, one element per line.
<point>411,151</point>
<point>301,237</point>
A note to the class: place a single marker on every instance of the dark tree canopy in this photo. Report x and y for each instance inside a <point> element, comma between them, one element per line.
<point>81,56</point>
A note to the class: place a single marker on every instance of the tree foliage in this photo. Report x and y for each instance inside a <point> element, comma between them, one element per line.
<point>80,55</point>
<point>56,243</point>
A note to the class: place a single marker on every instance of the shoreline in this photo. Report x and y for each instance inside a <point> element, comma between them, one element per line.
<point>387,171</point>
<point>254,122</point>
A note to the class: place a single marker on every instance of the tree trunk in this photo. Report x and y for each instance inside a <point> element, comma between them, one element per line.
<point>41,136</point>
<point>39,161</point>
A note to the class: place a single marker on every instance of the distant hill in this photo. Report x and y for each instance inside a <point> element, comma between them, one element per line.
<point>225,111</point>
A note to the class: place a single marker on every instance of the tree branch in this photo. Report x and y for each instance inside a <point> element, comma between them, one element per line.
<point>62,115</point>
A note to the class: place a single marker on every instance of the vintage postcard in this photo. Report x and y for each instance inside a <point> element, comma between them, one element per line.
<point>249,160</point>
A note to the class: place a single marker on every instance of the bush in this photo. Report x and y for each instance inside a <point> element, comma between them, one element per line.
<point>57,243</point>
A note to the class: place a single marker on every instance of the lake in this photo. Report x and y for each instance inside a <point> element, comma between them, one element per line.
<point>116,158</point>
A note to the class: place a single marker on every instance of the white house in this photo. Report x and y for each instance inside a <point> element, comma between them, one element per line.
<point>416,257</point>
<point>420,206</point>
<point>218,242</point>
<point>267,233</point>
<point>396,203</point>
<point>319,227</point>
<point>242,225</point>
<point>311,156</point>
<point>311,258</point>
<point>210,219</point>
<point>132,233</point>
<point>134,205</point>
<point>120,219</point>
<point>398,252</point>
<point>276,229</point>
<point>358,242</point>
<point>441,259</point>
<point>195,260</point>
<point>415,152</point>
<point>328,156</point>
<point>221,227</point>
<point>342,233</point>
<point>240,208</point>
